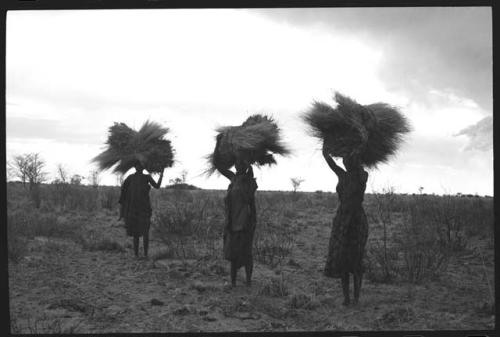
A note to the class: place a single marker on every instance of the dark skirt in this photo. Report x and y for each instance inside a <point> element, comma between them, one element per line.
<point>347,243</point>
<point>238,247</point>
<point>138,223</point>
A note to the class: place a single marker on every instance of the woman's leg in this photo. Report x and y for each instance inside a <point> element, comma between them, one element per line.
<point>345,288</point>
<point>248,272</point>
<point>357,279</point>
<point>145,241</point>
<point>234,270</point>
<point>136,245</point>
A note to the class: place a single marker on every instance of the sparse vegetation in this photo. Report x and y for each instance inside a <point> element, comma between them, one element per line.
<point>429,263</point>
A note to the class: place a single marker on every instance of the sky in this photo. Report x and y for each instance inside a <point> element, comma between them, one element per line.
<point>71,74</point>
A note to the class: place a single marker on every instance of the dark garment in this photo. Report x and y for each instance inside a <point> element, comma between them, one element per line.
<point>350,229</point>
<point>135,204</point>
<point>241,219</point>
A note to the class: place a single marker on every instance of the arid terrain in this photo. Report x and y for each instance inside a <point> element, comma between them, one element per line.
<point>429,265</point>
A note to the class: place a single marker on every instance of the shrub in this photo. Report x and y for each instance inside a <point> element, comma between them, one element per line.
<point>275,287</point>
<point>273,240</point>
<point>187,226</point>
<point>34,223</point>
<point>302,301</point>
<point>423,252</point>
<point>109,196</point>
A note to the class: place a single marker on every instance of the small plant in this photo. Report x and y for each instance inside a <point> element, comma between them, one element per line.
<point>275,287</point>
<point>302,301</point>
<point>273,242</point>
<point>296,182</point>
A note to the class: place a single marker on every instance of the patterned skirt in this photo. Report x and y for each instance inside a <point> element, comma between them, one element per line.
<point>346,248</point>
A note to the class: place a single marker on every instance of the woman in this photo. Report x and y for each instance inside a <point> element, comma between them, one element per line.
<point>350,229</point>
<point>136,207</point>
<point>241,219</point>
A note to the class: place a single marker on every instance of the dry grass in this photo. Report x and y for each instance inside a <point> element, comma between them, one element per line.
<point>125,146</point>
<point>373,132</point>
<point>289,296</point>
<point>256,141</point>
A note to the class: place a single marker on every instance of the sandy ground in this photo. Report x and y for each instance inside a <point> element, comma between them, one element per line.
<point>62,287</point>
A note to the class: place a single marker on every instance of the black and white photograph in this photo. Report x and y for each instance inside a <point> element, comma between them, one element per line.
<point>249,170</point>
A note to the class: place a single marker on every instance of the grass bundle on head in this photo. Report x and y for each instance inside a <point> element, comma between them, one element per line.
<point>256,141</point>
<point>125,146</point>
<point>373,132</point>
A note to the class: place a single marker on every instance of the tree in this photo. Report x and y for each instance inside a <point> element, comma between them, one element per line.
<point>62,173</point>
<point>184,174</point>
<point>94,178</point>
<point>18,167</point>
<point>28,167</point>
<point>76,179</point>
<point>296,183</point>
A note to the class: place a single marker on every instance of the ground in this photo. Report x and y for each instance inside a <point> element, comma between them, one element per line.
<point>62,285</point>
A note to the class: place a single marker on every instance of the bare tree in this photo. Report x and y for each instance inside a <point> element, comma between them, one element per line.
<point>62,174</point>
<point>184,174</point>
<point>18,167</point>
<point>296,183</point>
<point>94,178</point>
<point>29,168</point>
<point>36,173</point>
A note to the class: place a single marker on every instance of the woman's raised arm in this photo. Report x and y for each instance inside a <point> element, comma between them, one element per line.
<point>156,184</point>
<point>329,160</point>
<point>226,173</point>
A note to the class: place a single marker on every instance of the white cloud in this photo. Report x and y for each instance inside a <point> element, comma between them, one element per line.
<point>71,74</point>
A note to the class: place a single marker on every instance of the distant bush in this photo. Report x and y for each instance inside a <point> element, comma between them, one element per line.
<point>188,226</point>
<point>109,196</point>
<point>182,186</point>
<point>72,197</point>
<point>31,223</point>
<point>23,225</point>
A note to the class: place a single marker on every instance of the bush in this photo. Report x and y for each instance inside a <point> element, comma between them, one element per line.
<point>275,287</point>
<point>31,223</point>
<point>302,301</point>
<point>424,255</point>
<point>273,240</point>
<point>189,225</point>
<point>109,196</point>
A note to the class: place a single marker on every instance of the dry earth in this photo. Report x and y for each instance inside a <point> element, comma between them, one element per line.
<point>62,287</point>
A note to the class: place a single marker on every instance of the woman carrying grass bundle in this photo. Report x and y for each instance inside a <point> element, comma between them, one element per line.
<point>143,149</point>
<point>136,206</point>
<point>253,142</point>
<point>350,228</point>
<point>364,136</point>
<point>241,219</point>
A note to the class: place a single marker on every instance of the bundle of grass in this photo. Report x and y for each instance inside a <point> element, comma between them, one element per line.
<point>256,141</point>
<point>373,132</point>
<point>125,146</point>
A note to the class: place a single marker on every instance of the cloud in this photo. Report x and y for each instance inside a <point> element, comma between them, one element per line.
<point>24,128</point>
<point>480,135</point>
<point>424,48</point>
